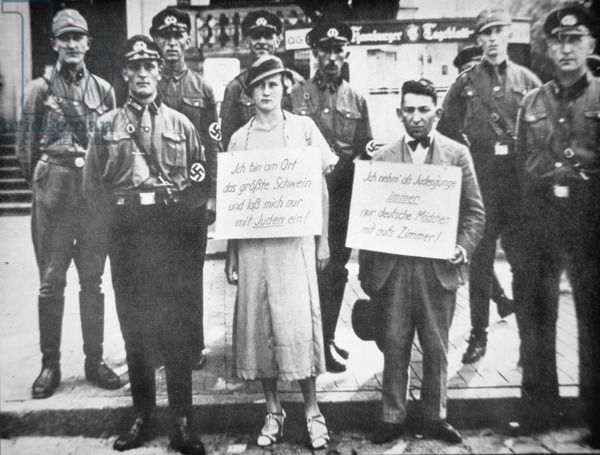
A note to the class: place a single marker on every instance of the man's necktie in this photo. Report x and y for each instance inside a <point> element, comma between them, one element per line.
<point>141,169</point>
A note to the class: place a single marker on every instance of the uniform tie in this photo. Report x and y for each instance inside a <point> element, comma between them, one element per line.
<point>141,170</point>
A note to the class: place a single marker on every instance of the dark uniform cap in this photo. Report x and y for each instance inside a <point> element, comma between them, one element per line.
<point>140,47</point>
<point>467,54</point>
<point>265,66</point>
<point>69,20</point>
<point>261,20</point>
<point>325,35</point>
<point>421,87</point>
<point>170,19</point>
<point>491,18</point>
<point>570,20</point>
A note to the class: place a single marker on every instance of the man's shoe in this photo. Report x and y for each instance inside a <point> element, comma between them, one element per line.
<point>100,374</point>
<point>504,305</point>
<point>443,431</point>
<point>476,348</point>
<point>387,432</point>
<point>592,440</point>
<point>183,440</point>
<point>199,362</point>
<point>343,353</point>
<point>46,382</point>
<point>333,365</point>
<point>135,437</point>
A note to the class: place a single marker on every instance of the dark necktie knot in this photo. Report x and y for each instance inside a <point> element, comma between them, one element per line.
<point>424,141</point>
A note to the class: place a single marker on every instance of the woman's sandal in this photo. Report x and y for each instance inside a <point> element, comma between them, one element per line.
<point>272,430</point>
<point>317,431</point>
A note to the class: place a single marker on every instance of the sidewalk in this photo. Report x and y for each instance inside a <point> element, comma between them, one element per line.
<point>478,393</point>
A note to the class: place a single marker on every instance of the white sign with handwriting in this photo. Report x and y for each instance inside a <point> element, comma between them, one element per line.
<point>269,193</point>
<point>405,209</point>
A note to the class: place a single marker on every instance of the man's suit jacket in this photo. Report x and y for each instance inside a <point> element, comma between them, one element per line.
<point>375,267</point>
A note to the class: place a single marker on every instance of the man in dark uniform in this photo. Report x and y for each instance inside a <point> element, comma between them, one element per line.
<point>53,143</point>
<point>343,118</point>
<point>146,174</point>
<point>262,31</point>
<point>187,92</point>
<point>480,110</point>
<point>467,58</point>
<point>558,138</point>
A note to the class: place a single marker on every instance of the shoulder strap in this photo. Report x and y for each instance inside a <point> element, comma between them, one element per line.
<point>499,123</point>
<point>150,160</point>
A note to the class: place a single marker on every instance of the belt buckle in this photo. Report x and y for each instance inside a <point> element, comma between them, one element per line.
<point>79,161</point>
<point>148,198</point>
<point>561,191</point>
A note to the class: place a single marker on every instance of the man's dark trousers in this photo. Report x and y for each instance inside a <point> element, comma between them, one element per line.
<point>559,234</point>
<point>156,256</point>
<point>332,281</point>
<point>500,193</point>
<point>63,229</point>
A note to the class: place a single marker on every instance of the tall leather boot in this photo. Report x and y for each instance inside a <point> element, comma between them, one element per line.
<point>50,313</point>
<point>91,309</point>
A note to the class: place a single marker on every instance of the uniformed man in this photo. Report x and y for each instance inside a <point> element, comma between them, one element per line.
<point>262,31</point>
<point>187,92</point>
<point>558,138</point>
<point>467,58</point>
<point>480,110</point>
<point>52,147</point>
<point>146,173</point>
<point>343,118</point>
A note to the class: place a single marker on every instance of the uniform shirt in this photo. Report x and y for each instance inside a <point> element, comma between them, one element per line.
<point>341,115</point>
<point>188,93</point>
<point>175,146</point>
<point>540,146</point>
<point>59,115</point>
<point>238,108</point>
<point>475,99</point>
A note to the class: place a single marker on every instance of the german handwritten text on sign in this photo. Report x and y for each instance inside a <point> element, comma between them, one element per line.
<point>405,209</point>
<point>269,193</point>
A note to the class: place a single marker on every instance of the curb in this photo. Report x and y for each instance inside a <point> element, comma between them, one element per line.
<point>240,418</point>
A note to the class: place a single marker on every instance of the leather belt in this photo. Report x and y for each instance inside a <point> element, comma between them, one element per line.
<point>157,197</point>
<point>73,161</point>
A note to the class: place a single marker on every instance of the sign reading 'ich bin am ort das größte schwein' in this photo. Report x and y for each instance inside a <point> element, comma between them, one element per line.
<point>269,193</point>
<point>405,209</point>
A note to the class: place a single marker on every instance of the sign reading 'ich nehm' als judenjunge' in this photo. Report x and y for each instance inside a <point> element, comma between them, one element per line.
<point>405,209</point>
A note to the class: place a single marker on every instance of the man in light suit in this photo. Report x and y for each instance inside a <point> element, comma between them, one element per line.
<point>420,293</point>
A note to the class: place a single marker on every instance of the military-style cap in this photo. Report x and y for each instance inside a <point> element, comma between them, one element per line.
<point>325,35</point>
<point>466,55</point>
<point>261,21</point>
<point>570,20</point>
<point>265,66</point>
<point>421,87</point>
<point>140,47</point>
<point>491,18</point>
<point>170,19</point>
<point>69,20</point>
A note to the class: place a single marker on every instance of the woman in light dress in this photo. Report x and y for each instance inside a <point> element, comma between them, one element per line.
<point>277,323</point>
